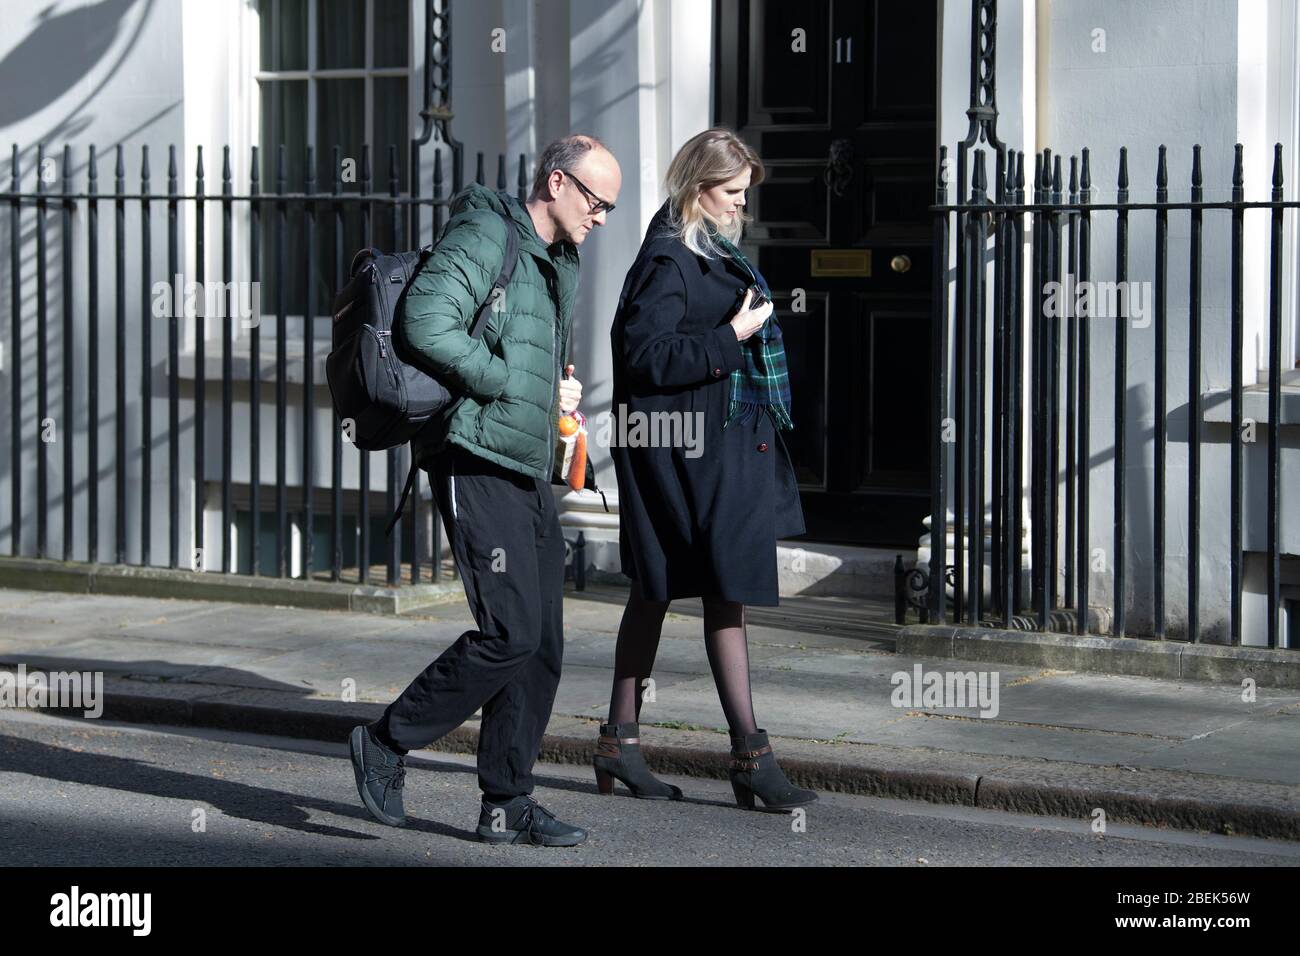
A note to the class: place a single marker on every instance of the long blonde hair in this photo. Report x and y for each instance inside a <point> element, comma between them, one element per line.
<point>705,160</point>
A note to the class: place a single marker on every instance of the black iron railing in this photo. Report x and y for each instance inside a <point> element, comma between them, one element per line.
<point>317,218</point>
<point>981,457</point>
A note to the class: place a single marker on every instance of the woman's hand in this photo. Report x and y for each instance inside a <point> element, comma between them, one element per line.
<point>748,321</point>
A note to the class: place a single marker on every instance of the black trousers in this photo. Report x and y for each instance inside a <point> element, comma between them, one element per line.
<point>504,534</point>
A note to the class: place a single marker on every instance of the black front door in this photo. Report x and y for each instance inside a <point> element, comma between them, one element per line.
<point>838,97</point>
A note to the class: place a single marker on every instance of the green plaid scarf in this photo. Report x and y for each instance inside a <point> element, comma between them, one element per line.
<point>763,381</point>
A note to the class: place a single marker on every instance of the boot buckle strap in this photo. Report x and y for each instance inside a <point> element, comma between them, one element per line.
<point>765,749</point>
<point>619,740</point>
<point>744,765</point>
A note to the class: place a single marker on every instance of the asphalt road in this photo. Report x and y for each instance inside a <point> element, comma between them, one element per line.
<point>91,793</point>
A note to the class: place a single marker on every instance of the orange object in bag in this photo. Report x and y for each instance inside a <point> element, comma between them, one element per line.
<point>578,467</point>
<point>572,449</point>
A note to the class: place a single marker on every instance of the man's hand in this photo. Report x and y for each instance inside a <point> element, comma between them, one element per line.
<point>570,391</point>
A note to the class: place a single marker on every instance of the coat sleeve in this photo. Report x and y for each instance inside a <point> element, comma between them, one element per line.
<point>441,302</point>
<point>655,352</point>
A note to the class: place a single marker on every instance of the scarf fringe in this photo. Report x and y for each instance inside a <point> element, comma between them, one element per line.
<point>741,412</point>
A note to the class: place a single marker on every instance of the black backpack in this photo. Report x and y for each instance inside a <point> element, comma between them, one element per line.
<point>387,399</point>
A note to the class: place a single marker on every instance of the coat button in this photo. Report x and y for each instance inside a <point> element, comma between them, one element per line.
<point>717,371</point>
<point>762,446</point>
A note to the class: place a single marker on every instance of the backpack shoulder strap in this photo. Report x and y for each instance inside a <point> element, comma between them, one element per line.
<point>503,276</point>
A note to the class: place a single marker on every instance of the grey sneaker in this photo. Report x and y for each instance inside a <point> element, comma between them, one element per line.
<point>380,774</point>
<point>524,820</point>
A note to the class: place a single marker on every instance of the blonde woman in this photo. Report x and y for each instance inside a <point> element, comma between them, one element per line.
<point>695,335</point>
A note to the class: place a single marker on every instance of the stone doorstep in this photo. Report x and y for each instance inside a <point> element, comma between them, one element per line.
<point>84,578</point>
<point>840,570</point>
<point>810,568</point>
<point>1169,660</point>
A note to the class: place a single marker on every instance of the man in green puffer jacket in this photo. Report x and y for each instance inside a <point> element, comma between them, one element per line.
<point>510,376</point>
<point>490,467</point>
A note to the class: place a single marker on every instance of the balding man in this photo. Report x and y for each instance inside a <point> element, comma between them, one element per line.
<point>491,465</point>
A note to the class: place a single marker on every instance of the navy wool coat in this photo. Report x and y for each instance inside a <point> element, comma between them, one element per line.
<point>700,507</point>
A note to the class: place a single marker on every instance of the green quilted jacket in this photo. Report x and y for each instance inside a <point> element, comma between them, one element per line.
<point>510,376</point>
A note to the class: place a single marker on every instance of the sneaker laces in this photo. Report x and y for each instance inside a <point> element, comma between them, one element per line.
<point>529,819</point>
<point>392,775</point>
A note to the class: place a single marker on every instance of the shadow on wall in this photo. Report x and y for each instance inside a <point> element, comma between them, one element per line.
<point>61,50</point>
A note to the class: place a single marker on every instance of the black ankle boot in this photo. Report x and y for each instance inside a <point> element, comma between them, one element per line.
<point>754,771</point>
<point>618,755</point>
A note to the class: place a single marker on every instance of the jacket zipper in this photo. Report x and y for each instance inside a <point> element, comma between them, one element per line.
<point>557,358</point>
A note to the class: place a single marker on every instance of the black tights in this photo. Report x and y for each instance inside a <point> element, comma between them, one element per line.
<point>724,641</point>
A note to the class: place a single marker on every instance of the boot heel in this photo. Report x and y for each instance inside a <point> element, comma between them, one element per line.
<point>744,795</point>
<point>752,759</point>
<point>618,757</point>
<point>604,781</point>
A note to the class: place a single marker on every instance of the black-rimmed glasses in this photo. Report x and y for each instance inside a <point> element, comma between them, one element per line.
<point>600,204</point>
